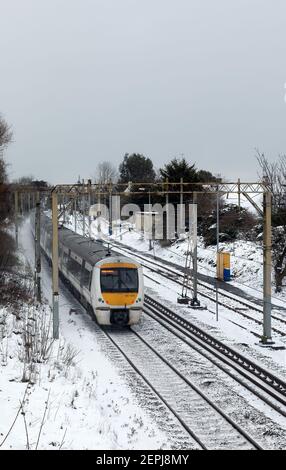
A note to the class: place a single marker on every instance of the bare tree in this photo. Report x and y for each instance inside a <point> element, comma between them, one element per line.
<point>3,171</point>
<point>275,174</point>
<point>5,135</point>
<point>25,180</point>
<point>106,172</point>
<point>5,138</point>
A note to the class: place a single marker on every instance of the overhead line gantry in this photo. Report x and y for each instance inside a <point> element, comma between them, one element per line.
<point>167,188</point>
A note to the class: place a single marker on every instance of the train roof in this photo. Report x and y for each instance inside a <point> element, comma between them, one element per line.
<point>88,249</point>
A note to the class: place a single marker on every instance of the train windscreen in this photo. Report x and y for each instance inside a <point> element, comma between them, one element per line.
<point>119,280</point>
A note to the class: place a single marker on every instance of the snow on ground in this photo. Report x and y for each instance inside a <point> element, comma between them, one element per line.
<point>79,400</point>
<point>233,330</point>
<point>246,256</point>
<point>247,268</point>
<point>246,260</point>
<point>232,198</point>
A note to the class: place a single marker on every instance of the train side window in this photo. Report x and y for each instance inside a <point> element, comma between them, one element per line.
<point>74,267</point>
<point>85,278</point>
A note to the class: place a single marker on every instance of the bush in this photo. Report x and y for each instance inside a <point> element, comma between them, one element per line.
<point>233,224</point>
<point>8,259</point>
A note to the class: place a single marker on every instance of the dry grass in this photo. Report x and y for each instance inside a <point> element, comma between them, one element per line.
<point>15,290</point>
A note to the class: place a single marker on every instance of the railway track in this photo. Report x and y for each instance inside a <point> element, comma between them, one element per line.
<point>208,426</point>
<point>257,379</point>
<point>232,303</point>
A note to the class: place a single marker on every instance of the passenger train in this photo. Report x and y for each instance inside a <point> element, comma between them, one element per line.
<point>108,284</point>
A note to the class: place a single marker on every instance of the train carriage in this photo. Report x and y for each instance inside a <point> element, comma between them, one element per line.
<point>108,284</point>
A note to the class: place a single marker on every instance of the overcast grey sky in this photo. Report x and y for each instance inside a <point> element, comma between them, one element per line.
<point>87,80</point>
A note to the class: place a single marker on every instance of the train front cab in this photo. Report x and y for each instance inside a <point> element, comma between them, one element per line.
<point>119,289</point>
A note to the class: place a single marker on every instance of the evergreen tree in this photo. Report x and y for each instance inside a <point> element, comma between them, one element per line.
<point>136,168</point>
<point>177,169</point>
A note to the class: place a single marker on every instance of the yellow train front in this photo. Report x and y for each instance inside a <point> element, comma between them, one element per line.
<point>117,292</point>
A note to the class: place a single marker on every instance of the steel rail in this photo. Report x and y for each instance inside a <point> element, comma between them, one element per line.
<point>226,295</point>
<point>206,352</point>
<point>278,385</point>
<point>170,408</point>
<point>236,426</point>
<point>203,395</point>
